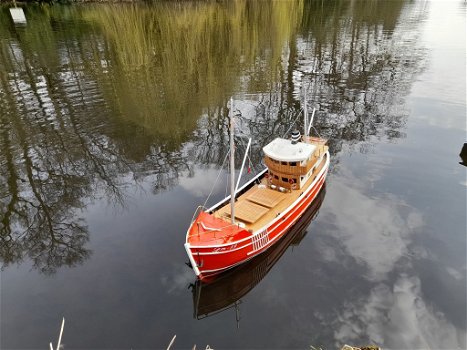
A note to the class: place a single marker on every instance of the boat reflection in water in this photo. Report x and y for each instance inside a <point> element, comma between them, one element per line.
<point>225,291</point>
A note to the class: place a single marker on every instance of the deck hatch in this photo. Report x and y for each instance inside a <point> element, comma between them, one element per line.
<point>266,197</point>
<point>248,212</point>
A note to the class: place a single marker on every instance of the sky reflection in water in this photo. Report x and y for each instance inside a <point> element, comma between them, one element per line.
<point>109,142</point>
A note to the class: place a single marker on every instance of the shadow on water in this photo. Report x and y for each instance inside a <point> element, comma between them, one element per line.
<point>227,289</point>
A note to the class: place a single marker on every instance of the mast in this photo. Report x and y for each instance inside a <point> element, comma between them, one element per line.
<point>305,116</point>
<point>232,165</point>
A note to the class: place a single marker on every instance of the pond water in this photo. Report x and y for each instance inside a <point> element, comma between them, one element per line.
<point>113,129</point>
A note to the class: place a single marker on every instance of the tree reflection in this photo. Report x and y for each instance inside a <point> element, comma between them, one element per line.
<point>96,98</point>
<point>357,69</point>
<point>363,68</point>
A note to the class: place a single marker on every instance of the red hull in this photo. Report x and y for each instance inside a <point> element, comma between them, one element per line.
<point>210,255</point>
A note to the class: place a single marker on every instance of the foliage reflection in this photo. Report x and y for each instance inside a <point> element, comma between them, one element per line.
<point>96,98</point>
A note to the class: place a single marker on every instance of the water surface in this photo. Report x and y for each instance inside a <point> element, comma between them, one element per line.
<point>113,128</point>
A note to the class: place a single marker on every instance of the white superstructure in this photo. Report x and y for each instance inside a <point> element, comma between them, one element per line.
<point>286,151</point>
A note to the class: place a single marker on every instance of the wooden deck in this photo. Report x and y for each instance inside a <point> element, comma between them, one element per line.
<point>260,204</point>
<point>248,212</point>
<point>265,197</point>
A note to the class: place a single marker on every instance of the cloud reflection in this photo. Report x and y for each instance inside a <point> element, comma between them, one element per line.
<point>378,232</point>
<point>177,280</point>
<point>397,317</point>
<point>374,231</point>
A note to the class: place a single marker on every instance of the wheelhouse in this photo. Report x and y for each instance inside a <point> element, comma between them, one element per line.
<point>291,163</point>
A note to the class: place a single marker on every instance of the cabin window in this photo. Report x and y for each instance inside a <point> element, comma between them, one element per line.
<point>284,163</point>
<point>293,163</point>
<point>276,177</point>
<point>294,181</point>
<point>285,179</point>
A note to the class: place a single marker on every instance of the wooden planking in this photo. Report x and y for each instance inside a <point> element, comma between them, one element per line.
<point>270,214</point>
<point>266,197</point>
<point>248,212</point>
<point>283,205</point>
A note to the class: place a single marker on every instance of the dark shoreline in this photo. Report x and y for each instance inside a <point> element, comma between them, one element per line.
<point>67,2</point>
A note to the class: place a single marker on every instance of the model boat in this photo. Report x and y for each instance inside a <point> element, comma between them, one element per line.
<point>254,217</point>
<point>226,291</point>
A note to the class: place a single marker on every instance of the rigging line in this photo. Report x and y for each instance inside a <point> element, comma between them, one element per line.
<point>239,130</point>
<point>293,123</point>
<point>215,182</point>
<point>227,180</point>
<point>316,131</point>
<point>250,163</point>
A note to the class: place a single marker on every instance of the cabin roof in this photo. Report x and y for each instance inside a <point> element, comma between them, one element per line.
<point>283,150</point>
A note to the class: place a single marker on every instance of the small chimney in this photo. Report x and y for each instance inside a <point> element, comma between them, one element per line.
<point>295,136</point>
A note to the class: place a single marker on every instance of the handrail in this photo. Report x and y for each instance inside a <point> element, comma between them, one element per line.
<point>207,228</point>
<point>196,213</point>
<point>221,237</point>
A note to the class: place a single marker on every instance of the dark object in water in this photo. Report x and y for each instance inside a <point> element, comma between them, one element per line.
<point>463,155</point>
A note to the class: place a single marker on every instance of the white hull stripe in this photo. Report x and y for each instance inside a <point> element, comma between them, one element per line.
<point>281,234</point>
<point>204,272</point>
<point>268,243</point>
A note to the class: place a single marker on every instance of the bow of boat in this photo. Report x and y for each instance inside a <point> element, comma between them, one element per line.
<point>214,244</point>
